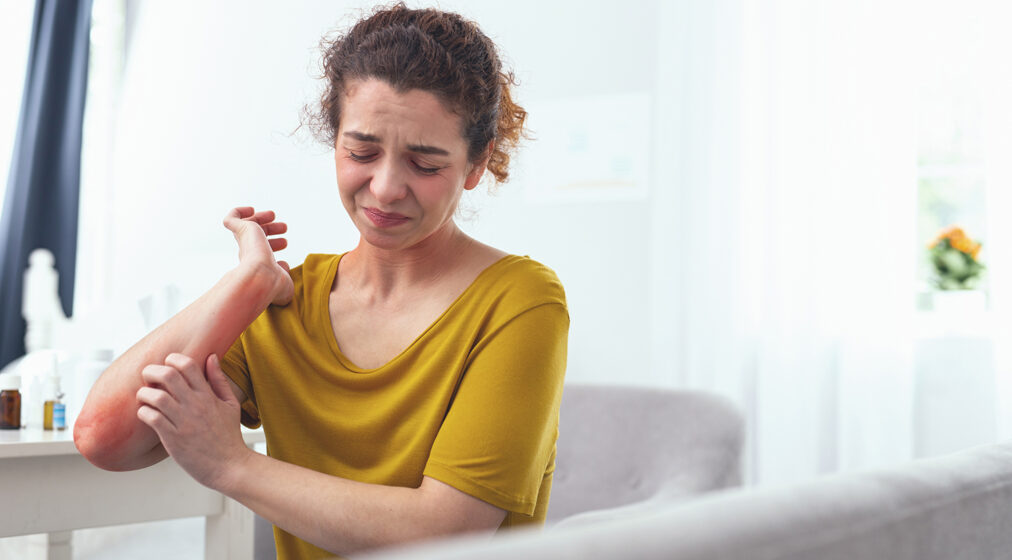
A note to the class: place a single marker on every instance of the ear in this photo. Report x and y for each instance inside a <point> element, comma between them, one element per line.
<point>474,176</point>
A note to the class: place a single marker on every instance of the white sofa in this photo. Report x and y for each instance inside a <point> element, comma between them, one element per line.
<point>952,507</point>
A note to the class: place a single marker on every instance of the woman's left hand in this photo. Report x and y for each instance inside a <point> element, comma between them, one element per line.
<point>195,416</point>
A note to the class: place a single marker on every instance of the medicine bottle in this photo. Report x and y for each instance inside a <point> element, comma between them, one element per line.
<point>54,412</point>
<point>10,402</point>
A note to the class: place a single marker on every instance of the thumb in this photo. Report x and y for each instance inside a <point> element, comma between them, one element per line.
<point>218,381</point>
<point>235,217</point>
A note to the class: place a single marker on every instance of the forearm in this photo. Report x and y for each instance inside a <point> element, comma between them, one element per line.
<point>338,515</point>
<point>108,431</point>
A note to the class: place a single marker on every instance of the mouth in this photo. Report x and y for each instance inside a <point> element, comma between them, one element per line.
<point>384,219</point>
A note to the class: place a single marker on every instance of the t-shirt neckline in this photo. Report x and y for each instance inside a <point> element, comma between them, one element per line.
<point>324,299</point>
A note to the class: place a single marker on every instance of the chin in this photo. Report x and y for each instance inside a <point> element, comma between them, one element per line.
<point>387,242</point>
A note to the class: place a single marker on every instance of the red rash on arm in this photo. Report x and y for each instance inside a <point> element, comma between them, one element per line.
<point>108,432</point>
<point>115,427</point>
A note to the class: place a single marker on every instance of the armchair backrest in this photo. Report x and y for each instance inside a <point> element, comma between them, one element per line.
<point>620,445</point>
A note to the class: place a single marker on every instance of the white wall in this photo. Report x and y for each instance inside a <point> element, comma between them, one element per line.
<point>212,91</point>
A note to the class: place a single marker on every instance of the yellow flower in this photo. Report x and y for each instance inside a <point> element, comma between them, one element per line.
<point>962,244</point>
<point>950,233</point>
<point>958,240</point>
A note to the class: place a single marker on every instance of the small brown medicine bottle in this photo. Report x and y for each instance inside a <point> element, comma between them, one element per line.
<point>10,402</point>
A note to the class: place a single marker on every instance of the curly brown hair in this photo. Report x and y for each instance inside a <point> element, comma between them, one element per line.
<point>431,50</point>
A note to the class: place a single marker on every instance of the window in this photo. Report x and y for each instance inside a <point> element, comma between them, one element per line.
<point>952,118</point>
<point>951,186</point>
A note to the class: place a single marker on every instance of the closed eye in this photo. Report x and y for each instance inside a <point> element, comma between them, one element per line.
<point>427,170</point>
<point>360,157</point>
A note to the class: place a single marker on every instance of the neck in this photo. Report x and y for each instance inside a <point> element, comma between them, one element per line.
<point>384,272</point>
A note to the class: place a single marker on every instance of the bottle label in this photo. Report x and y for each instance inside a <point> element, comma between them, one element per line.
<point>59,416</point>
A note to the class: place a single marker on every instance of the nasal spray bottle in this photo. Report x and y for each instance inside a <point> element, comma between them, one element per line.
<point>54,411</point>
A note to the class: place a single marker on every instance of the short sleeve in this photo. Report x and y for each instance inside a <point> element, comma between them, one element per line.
<point>234,364</point>
<point>501,429</point>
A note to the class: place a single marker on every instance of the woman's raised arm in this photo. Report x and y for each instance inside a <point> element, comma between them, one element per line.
<point>108,432</point>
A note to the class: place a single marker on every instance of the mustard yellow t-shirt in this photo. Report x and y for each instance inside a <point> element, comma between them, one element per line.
<point>472,402</point>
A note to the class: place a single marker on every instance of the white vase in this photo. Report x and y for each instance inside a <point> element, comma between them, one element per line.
<point>959,302</point>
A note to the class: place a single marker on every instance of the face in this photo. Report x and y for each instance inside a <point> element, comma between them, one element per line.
<point>401,164</point>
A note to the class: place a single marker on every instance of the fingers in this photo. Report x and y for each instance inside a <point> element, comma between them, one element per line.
<point>157,375</point>
<point>237,215</point>
<point>240,212</point>
<point>154,419</point>
<point>275,228</point>
<point>218,380</point>
<point>284,265</point>
<point>263,217</point>
<point>247,213</point>
<point>250,238</point>
<point>190,370</point>
<point>159,400</point>
<point>278,243</point>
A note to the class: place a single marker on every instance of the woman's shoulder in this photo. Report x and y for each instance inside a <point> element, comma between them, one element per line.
<point>524,281</point>
<point>315,273</point>
<point>316,264</point>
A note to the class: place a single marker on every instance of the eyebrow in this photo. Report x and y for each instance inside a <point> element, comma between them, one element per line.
<point>417,148</point>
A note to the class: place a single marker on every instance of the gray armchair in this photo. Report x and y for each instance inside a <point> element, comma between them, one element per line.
<point>628,448</point>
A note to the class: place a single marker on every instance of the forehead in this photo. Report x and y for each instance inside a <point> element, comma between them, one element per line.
<point>374,107</point>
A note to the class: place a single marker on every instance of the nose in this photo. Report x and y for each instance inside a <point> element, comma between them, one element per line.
<point>388,183</point>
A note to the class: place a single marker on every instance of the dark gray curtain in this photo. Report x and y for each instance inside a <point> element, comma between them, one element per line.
<point>40,207</point>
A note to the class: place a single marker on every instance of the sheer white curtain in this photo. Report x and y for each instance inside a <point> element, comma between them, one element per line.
<point>796,209</point>
<point>993,75</point>
<point>829,179</point>
<point>15,34</point>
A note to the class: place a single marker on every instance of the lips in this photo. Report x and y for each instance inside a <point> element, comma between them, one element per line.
<point>384,219</point>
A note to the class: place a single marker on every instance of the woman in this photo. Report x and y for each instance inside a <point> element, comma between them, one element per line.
<point>408,388</point>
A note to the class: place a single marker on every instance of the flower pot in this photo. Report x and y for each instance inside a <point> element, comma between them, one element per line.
<point>959,301</point>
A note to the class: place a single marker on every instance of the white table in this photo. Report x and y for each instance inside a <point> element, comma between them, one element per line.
<point>46,486</point>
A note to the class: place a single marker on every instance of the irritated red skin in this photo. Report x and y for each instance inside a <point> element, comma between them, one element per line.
<point>108,432</point>
<point>108,422</point>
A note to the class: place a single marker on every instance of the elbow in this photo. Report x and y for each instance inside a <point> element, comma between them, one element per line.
<point>98,444</point>
<point>108,434</point>
<point>88,444</point>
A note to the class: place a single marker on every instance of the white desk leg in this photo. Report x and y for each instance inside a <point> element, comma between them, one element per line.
<point>59,546</point>
<point>229,536</point>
